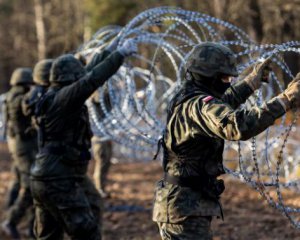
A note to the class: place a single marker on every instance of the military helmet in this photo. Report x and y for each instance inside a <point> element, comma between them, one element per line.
<point>209,59</point>
<point>41,72</point>
<point>21,76</point>
<point>66,68</point>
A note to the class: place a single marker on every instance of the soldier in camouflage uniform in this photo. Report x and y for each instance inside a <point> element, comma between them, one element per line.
<point>64,197</point>
<point>41,74</point>
<point>201,116</point>
<point>102,148</point>
<point>22,145</point>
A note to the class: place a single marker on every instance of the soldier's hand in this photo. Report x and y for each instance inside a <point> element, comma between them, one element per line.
<point>290,97</point>
<point>259,74</point>
<point>129,47</point>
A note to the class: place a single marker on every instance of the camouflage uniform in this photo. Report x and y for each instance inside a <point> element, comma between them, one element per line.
<point>65,199</point>
<point>41,79</point>
<point>41,74</point>
<point>102,148</point>
<point>200,117</point>
<point>22,142</point>
<point>14,188</point>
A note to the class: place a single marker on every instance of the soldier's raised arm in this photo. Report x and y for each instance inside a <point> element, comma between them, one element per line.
<point>75,94</point>
<point>239,92</point>
<point>100,55</point>
<point>222,120</point>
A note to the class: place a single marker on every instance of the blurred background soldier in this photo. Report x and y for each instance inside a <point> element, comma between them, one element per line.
<point>65,198</point>
<point>22,145</point>
<point>101,147</point>
<point>41,75</point>
<point>200,117</point>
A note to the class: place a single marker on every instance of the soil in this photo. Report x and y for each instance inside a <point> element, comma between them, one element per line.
<point>128,209</point>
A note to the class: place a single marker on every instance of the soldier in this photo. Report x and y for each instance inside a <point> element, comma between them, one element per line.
<point>41,74</point>
<point>64,197</point>
<point>101,147</point>
<point>22,145</point>
<point>200,117</point>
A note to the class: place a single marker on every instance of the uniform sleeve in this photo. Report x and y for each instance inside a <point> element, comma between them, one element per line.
<point>96,59</point>
<point>28,102</point>
<point>25,106</point>
<point>219,119</point>
<point>237,94</point>
<point>73,96</point>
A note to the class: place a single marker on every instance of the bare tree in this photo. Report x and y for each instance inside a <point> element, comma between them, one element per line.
<point>40,29</point>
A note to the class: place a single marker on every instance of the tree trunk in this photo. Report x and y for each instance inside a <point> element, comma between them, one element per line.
<point>40,29</point>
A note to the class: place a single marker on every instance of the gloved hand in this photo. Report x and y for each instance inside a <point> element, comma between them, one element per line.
<point>258,75</point>
<point>128,48</point>
<point>290,97</point>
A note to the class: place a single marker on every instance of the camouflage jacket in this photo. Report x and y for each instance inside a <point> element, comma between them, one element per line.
<point>64,124</point>
<point>194,142</point>
<point>18,124</point>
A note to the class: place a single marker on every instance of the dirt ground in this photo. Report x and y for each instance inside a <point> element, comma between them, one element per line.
<point>128,210</point>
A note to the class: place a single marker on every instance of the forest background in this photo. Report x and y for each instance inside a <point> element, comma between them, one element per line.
<point>31,30</point>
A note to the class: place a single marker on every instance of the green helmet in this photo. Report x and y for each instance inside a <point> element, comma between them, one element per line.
<point>21,76</point>
<point>41,72</point>
<point>209,59</point>
<point>66,68</point>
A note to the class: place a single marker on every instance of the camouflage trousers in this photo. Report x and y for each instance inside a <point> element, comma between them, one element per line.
<point>14,188</point>
<point>22,203</point>
<point>73,206</point>
<point>102,152</point>
<point>192,228</point>
<point>23,155</point>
